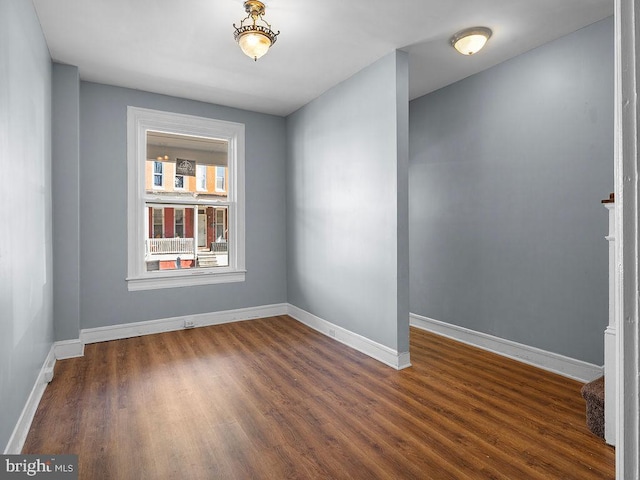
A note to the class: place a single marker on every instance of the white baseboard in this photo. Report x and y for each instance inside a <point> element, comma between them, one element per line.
<point>127,330</point>
<point>375,350</point>
<point>68,349</point>
<point>553,362</point>
<point>386,355</point>
<point>21,430</point>
<point>380,352</point>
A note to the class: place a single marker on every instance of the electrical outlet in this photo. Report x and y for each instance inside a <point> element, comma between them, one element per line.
<point>332,332</point>
<point>189,323</point>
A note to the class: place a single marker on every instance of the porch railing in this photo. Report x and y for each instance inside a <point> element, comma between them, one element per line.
<point>161,246</point>
<point>219,246</point>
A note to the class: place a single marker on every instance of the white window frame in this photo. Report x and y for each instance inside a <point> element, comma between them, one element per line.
<point>139,122</point>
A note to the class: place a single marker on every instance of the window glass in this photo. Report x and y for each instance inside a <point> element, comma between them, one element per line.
<point>201,178</point>
<point>157,174</point>
<point>158,223</point>
<point>175,243</point>
<point>220,179</point>
<point>179,182</point>
<point>179,222</point>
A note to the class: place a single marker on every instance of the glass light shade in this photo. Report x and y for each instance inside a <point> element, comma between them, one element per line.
<point>471,44</point>
<point>471,40</point>
<point>254,44</point>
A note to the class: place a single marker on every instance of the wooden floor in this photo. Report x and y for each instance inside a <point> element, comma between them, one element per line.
<point>273,399</point>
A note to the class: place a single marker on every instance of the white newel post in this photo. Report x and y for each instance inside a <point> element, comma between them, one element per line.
<point>610,373</point>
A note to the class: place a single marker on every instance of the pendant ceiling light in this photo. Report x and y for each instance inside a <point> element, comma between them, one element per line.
<point>471,40</point>
<point>254,35</point>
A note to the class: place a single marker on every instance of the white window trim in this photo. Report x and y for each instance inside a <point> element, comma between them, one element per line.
<point>139,121</point>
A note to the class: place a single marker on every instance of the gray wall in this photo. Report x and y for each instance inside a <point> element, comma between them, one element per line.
<point>26,305</point>
<point>65,177</point>
<point>347,204</point>
<point>507,170</point>
<point>103,220</point>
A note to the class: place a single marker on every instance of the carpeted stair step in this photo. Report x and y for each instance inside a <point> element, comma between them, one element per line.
<point>593,394</point>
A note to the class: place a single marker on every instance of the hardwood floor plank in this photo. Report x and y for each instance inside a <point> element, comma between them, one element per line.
<point>273,399</point>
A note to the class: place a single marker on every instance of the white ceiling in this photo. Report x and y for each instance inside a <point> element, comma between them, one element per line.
<point>186,48</point>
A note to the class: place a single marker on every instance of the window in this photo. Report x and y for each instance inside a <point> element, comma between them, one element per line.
<point>158,168</point>
<point>158,223</point>
<point>179,182</point>
<point>220,178</point>
<point>201,178</point>
<point>179,223</point>
<point>220,225</point>
<point>192,234</point>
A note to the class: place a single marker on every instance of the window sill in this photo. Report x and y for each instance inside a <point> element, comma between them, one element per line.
<point>157,281</point>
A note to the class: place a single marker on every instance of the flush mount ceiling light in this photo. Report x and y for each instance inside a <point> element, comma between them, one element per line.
<point>470,40</point>
<point>254,38</point>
